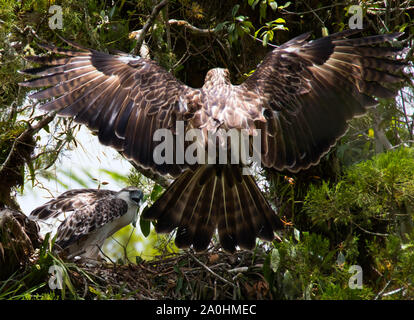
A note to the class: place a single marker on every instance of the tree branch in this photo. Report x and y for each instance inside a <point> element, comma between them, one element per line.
<point>211,271</point>
<point>162,181</point>
<point>22,137</point>
<point>155,11</point>
<point>187,25</point>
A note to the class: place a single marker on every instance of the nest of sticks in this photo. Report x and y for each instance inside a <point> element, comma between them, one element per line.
<point>213,274</point>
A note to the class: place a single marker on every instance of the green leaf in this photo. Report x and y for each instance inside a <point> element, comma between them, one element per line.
<point>236,34</point>
<point>156,192</point>
<point>280,27</point>
<point>263,7</point>
<point>296,234</point>
<point>145,226</point>
<point>257,32</point>
<point>287,4</point>
<point>111,13</point>
<point>232,27</point>
<point>241,31</point>
<point>220,26</point>
<point>32,172</point>
<point>265,39</point>
<point>74,177</point>
<point>289,288</point>
<point>274,260</point>
<point>279,20</point>
<point>248,24</point>
<point>402,28</point>
<point>273,4</point>
<point>271,34</point>
<point>115,176</point>
<point>235,9</point>
<point>253,3</point>
<point>46,128</point>
<point>179,285</point>
<point>267,271</point>
<point>231,38</point>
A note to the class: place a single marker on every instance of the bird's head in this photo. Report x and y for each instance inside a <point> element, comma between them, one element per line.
<point>132,195</point>
<point>136,196</point>
<point>217,76</point>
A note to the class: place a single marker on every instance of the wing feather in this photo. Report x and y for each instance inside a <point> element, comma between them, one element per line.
<point>85,220</point>
<point>123,98</point>
<point>310,90</point>
<point>51,214</point>
<point>69,201</point>
<point>214,198</point>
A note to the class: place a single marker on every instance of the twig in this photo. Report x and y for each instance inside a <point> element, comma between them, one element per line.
<point>211,271</point>
<point>105,255</point>
<point>238,270</point>
<point>183,59</point>
<point>162,181</point>
<point>316,15</point>
<point>375,11</point>
<point>126,245</point>
<point>167,28</point>
<point>144,50</point>
<point>206,32</point>
<point>187,25</point>
<point>284,11</point>
<point>260,40</point>
<point>29,131</point>
<point>148,24</point>
<point>370,232</point>
<point>393,292</point>
<point>382,291</point>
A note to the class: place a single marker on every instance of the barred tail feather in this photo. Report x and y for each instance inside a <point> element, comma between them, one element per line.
<point>214,197</point>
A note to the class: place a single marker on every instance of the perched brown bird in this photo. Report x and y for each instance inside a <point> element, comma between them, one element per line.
<point>82,219</point>
<point>300,98</point>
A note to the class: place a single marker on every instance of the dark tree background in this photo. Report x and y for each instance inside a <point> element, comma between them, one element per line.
<point>354,209</point>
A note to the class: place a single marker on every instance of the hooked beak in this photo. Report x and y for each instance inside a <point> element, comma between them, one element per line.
<point>137,197</point>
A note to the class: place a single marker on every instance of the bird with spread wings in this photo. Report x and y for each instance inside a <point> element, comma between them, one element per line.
<point>301,97</point>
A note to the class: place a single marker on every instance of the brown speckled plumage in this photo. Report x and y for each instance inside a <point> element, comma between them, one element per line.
<point>83,218</point>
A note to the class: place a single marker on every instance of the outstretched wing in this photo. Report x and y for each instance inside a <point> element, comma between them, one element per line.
<point>309,90</point>
<point>123,98</point>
